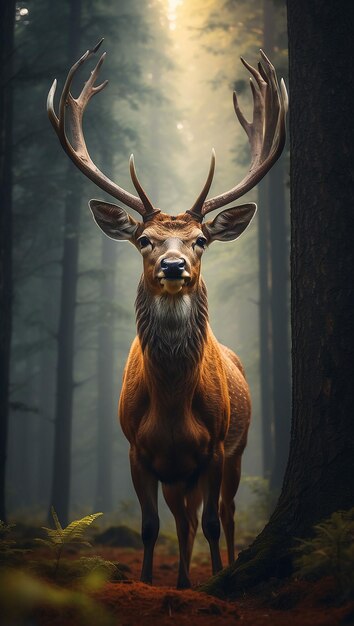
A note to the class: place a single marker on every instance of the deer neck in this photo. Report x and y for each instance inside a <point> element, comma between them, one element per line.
<point>172,333</point>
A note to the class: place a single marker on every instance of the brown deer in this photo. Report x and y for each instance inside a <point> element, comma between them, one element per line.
<point>185,404</point>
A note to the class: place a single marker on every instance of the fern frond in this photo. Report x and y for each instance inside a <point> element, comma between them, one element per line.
<point>47,543</point>
<point>7,544</point>
<point>58,525</point>
<point>53,535</point>
<point>75,530</point>
<point>330,551</point>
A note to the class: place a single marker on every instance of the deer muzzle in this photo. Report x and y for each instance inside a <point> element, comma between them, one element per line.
<point>173,274</point>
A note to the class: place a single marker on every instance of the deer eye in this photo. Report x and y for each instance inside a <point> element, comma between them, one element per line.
<point>144,242</point>
<point>201,242</point>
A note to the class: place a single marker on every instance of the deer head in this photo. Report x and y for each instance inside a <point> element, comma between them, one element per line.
<point>172,246</point>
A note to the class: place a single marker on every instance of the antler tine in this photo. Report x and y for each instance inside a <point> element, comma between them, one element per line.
<point>266,132</point>
<point>76,148</point>
<point>196,210</point>
<point>150,210</point>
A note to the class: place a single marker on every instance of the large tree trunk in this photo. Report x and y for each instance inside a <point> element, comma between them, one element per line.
<point>280,323</point>
<point>7,21</point>
<point>318,479</point>
<point>65,364</point>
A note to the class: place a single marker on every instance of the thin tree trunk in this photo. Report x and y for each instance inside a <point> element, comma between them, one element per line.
<point>318,478</point>
<point>105,376</point>
<point>66,331</point>
<point>7,21</point>
<point>279,264</point>
<point>155,138</point>
<point>46,405</point>
<point>264,261</point>
<point>106,412</point>
<point>265,330</point>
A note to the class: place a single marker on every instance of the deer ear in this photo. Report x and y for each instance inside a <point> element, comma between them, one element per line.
<point>113,220</point>
<point>231,223</point>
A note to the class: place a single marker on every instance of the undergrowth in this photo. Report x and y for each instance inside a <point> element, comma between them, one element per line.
<point>330,552</point>
<point>59,538</point>
<point>38,583</point>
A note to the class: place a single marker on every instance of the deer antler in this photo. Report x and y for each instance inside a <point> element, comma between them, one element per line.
<point>76,149</point>
<point>266,134</point>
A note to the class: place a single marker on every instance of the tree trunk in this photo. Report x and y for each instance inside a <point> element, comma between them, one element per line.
<point>265,321</point>
<point>7,22</point>
<point>280,324</point>
<point>46,403</point>
<point>106,413</point>
<point>265,329</point>
<point>65,363</point>
<point>318,478</point>
<point>276,426</point>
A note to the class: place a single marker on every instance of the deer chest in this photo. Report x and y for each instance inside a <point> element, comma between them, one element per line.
<point>174,449</point>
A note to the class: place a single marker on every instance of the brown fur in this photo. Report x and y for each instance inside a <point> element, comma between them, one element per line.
<point>184,406</point>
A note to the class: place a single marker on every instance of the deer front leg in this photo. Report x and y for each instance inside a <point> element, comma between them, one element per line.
<point>211,481</point>
<point>146,485</point>
<point>186,525</point>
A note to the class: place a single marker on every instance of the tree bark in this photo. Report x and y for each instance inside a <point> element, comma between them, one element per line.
<point>46,402</point>
<point>318,478</point>
<point>106,408</point>
<point>265,329</point>
<point>273,227</point>
<point>265,286</point>
<point>280,324</point>
<point>7,22</point>
<point>105,376</point>
<point>66,331</point>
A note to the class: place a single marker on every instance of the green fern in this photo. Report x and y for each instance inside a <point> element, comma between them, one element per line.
<point>330,552</point>
<point>6,543</point>
<point>58,538</point>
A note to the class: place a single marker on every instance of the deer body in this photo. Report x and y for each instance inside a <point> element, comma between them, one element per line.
<point>185,404</point>
<point>163,399</point>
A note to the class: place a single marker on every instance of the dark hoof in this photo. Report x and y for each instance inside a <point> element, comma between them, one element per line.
<point>146,581</point>
<point>184,584</point>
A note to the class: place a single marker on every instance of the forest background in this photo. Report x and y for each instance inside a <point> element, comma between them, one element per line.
<point>172,67</point>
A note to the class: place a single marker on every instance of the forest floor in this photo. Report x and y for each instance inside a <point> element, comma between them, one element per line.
<point>131,603</point>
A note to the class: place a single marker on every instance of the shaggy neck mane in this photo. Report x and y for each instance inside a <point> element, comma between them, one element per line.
<point>172,330</point>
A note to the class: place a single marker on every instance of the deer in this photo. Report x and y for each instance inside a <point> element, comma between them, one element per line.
<point>185,404</point>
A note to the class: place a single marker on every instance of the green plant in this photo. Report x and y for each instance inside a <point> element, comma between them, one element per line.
<point>330,552</point>
<point>22,595</point>
<point>6,543</point>
<point>9,553</point>
<point>58,538</point>
<point>97,565</point>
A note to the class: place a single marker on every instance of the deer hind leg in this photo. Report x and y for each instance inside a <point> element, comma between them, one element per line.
<point>211,482</point>
<point>194,500</point>
<point>186,526</point>
<point>230,482</point>
<point>146,486</point>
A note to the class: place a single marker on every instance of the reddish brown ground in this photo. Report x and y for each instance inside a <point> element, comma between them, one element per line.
<point>294,603</point>
<point>135,604</point>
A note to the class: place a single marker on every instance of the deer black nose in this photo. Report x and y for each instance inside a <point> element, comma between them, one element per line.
<point>173,268</point>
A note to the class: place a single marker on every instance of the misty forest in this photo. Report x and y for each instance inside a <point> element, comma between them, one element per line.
<point>281,297</point>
